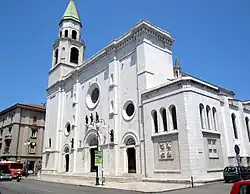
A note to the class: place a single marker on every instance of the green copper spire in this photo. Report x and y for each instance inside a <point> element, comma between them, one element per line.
<point>71,12</point>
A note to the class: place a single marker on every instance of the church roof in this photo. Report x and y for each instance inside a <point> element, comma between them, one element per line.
<point>220,88</point>
<point>71,12</point>
<point>185,77</point>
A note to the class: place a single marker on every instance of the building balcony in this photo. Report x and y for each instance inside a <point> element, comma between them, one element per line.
<point>8,137</point>
<point>35,125</point>
<point>74,102</point>
<point>47,150</point>
<point>6,151</point>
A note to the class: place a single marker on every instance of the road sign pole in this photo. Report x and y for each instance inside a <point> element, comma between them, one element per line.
<point>102,168</point>
<point>97,177</point>
<point>98,162</point>
<point>237,152</point>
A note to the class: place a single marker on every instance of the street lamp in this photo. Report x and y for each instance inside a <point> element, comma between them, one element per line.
<point>97,121</point>
<point>97,177</point>
<point>27,144</point>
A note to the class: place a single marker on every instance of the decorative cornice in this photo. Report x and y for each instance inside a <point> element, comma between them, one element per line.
<point>23,124</point>
<point>210,132</point>
<point>60,64</point>
<point>222,91</point>
<point>33,126</point>
<point>171,133</point>
<point>72,41</point>
<point>182,81</point>
<point>56,84</point>
<point>246,110</point>
<point>21,156</point>
<point>52,151</point>
<point>233,106</point>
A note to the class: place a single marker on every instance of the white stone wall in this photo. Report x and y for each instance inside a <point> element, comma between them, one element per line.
<point>156,101</point>
<point>236,107</point>
<point>51,131</point>
<point>192,141</point>
<point>54,76</point>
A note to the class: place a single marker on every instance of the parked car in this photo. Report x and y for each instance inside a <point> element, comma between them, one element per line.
<point>241,187</point>
<point>236,173</point>
<point>5,173</point>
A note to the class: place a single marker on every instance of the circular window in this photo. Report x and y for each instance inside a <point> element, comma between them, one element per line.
<point>67,129</point>
<point>128,110</point>
<point>93,96</point>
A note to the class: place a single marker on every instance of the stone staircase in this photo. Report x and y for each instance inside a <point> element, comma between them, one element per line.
<point>87,176</point>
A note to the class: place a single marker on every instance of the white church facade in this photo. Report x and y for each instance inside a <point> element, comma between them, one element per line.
<point>150,119</point>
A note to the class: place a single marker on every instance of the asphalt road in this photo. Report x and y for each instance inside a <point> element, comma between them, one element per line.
<point>27,186</point>
<point>212,188</point>
<point>38,187</point>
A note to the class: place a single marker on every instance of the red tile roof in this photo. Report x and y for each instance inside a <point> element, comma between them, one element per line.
<point>26,106</point>
<point>34,106</point>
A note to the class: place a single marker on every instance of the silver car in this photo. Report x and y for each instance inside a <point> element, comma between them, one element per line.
<point>236,173</point>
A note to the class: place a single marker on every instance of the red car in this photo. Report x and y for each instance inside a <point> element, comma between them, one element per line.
<point>241,187</point>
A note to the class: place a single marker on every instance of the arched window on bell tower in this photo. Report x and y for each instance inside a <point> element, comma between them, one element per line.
<point>56,56</point>
<point>74,34</point>
<point>74,54</point>
<point>66,33</point>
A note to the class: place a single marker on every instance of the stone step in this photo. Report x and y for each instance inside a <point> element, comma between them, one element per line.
<point>87,176</point>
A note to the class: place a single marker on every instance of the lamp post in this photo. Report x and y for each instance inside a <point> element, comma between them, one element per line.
<point>103,121</point>
<point>97,121</point>
<point>27,143</point>
<point>97,177</point>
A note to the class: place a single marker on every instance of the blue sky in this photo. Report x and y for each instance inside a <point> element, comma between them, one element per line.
<point>212,39</point>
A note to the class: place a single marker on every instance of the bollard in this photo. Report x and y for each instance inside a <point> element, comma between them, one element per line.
<point>39,174</point>
<point>192,181</point>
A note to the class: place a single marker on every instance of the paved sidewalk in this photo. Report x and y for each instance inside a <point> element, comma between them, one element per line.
<point>140,186</point>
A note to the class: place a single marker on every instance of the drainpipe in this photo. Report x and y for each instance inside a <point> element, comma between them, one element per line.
<point>144,148</point>
<point>42,140</point>
<point>18,136</point>
<point>140,115</point>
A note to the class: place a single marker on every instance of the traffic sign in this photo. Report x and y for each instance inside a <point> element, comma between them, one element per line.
<point>98,158</point>
<point>237,149</point>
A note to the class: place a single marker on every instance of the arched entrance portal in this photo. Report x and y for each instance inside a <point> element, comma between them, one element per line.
<point>93,145</point>
<point>131,155</point>
<point>66,151</point>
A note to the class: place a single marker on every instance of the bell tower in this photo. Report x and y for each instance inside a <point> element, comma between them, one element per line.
<point>68,49</point>
<point>177,69</point>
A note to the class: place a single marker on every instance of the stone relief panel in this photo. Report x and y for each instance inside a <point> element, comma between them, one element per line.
<point>212,151</point>
<point>165,150</point>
